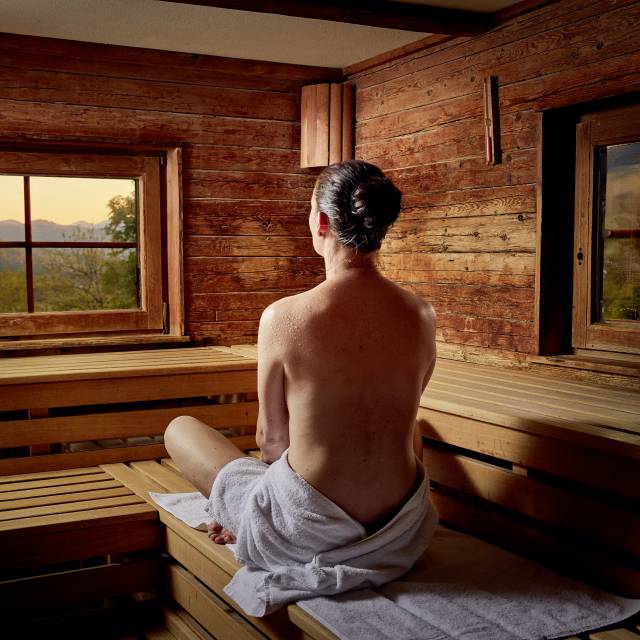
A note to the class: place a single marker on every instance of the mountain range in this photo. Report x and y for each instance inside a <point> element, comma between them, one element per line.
<point>47,231</point>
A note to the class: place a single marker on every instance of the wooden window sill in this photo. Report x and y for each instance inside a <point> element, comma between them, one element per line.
<point>600,363</point>
<point>19,347</point>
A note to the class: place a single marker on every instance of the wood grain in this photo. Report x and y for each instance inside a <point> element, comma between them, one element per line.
<point>419,116</point>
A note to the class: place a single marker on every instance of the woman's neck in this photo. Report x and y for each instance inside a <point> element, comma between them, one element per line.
<point>341,260</point>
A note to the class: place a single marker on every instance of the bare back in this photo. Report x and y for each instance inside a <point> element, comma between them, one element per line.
<point>356,352</point>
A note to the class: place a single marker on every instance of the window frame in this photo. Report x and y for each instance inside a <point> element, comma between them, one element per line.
<point>610,127</point>
<point>158,171</point>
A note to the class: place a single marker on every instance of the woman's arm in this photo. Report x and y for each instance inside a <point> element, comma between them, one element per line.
<point>272,433</point>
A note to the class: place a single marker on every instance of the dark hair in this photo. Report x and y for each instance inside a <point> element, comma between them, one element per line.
<point>360,202</point>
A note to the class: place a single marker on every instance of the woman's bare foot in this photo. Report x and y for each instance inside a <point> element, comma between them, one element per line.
<point>218,534</point>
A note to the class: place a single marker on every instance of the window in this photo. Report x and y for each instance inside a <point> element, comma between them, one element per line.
<point>606,274</point>
<point>89,242</point>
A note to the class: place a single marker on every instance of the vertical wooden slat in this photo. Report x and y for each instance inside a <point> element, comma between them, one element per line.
<point>335,124</point>
<point>314,142</point>
<point>175,241</point>
<point>321,155</point>
<point>347,121</point>
<point>150,236</point>
<point>327,124</point>
<point>305,104</point>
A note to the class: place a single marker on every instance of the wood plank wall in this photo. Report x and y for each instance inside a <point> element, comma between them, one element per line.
<point>466,239</point>
<point>245,197</point>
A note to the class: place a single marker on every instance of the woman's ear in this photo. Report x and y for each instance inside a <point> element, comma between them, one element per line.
<point>323,223</point>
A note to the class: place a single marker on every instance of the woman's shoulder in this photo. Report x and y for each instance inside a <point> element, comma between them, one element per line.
<point>419,305</point>
<point>286,309</point>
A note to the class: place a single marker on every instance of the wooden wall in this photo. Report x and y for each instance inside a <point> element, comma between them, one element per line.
<point>245,198</point>
<point>466,239</point>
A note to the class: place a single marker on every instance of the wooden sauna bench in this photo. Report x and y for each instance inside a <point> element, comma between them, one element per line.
<point>545,467</point>
<point>66,411</point>
<point>69,539</point>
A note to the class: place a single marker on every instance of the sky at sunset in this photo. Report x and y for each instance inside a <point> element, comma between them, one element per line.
<point>61,200</point>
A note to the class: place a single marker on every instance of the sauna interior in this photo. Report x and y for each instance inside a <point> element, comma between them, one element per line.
<point>157,160</point>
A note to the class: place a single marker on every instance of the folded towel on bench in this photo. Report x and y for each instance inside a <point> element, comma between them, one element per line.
<point>460,589</point>
<point>188,507</point>
<point>464,588</point>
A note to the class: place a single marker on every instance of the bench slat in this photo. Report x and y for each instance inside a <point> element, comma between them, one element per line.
<point>546,402</point>
<point>41,475</point>
<point>23,367</point>
<point>615,634</point>
<point>533,379</point>
<point>530,421</point>
<point>170,464</point>
<point>101,372</point>
<point>26,503</point>
<point>82,540</point>
<point>76,360</point>
<point>57,589</point>
<point>69,393</point>
<point>183,627</point>
<point>560,410</point>
<point>206,608</point>
<point>9,487</point>
<point>540,386</point>
<point>613,526</point>
<point>158,633</point>
<point>163,476</point>
<point>119,424</point>
<point>49,523</point>
<point>84,458</point>
<point>69,507</point>
<point>55,491</point>
<point>611,472</point>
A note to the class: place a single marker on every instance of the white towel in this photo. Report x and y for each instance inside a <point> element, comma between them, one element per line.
<point>295,543</point>
<point>460,589</point>
<point>188,507</point>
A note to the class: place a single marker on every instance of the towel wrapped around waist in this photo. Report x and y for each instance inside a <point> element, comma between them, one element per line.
<point>294,543</point>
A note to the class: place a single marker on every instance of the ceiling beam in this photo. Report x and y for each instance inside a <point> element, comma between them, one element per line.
<point>374,13</point>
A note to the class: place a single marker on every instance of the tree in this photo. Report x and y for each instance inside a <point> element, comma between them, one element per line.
<point>123,221</point>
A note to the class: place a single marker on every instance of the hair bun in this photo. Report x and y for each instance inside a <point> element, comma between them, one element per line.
<point>375,202</point>
<point>360,202</point>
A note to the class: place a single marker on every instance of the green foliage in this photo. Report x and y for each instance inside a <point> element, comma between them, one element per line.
<point>13,292</point>
<point>123,224</point>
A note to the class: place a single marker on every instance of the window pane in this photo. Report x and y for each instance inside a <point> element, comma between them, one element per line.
<point>620,233</point>
<point>13,281</point>
<point>75,209</point>
<point>11,208</point>
<point>84,279</point>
